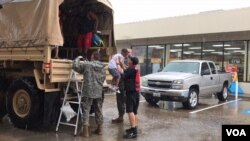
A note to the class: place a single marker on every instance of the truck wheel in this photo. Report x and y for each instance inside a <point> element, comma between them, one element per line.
<point>3,111</point>
<point>152,101</point>
<point>24,104</point>
<point>193,99</point>
<point>222,96</point>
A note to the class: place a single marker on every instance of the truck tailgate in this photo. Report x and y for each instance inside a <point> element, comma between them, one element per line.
<point>60,70</point>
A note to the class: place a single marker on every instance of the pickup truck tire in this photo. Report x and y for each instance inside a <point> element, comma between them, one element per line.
<point>152,101</point>
<point>222,96</point>
<point>192,100</point>
<point>24,104</point>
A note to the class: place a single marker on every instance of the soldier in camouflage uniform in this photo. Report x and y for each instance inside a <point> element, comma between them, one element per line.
<point>94,76</point>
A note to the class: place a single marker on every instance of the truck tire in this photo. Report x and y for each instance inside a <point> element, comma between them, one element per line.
<point>3,111</point>
<point>24,104</point>
<point>3,85</point>
<point>152,101</point>
<point>192,100</point>
<point>222,96</point>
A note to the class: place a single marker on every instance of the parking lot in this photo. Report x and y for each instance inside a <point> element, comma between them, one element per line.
<point>165,122</point>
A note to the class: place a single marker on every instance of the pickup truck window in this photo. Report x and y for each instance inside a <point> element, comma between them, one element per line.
<point>185,67</point>
<point>212,67</point>
<point>205,69</point>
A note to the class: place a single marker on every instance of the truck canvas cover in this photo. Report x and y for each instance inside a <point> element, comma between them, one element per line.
<point>36,22</point>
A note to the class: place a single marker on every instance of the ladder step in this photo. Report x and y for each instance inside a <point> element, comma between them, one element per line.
<point>65,123</point>
<point>70,98</point>
<point>75,102</point>
<point>75,80</point>
<point>72,95</point>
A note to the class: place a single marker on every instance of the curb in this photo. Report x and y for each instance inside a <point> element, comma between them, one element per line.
<point>240,96</point>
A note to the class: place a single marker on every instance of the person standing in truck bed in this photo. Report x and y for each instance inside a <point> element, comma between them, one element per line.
<point>88,25</point>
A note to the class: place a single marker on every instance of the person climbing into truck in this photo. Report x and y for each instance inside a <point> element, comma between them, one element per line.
<point>116,66</point>
<point>121,97</point>
<point>132,88</point>
<point>88,26</point>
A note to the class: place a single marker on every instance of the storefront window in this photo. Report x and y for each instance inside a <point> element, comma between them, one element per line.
<point>248,62</point>
<point>175,52</point>
<point>141,53</point>
<point>155,58</point>
<point>213,51</point>
<point>192,51</point>
<point>235,54</point>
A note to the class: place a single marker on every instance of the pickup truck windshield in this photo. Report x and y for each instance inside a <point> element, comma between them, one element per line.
<point>185,67</point>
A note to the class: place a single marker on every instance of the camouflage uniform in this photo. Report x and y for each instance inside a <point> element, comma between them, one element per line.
<point>94,76</point>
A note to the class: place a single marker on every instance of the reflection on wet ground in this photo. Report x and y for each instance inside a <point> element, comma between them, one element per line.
<point>168,121</point>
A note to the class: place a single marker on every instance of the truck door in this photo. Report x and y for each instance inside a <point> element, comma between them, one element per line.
<point>215,78</point>
<point>206,80</point>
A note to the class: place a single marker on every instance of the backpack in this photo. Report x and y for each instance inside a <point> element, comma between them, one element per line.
<point>97,40</point>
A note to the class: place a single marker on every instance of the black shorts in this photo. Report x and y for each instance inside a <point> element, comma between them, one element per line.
<point>132,102</point>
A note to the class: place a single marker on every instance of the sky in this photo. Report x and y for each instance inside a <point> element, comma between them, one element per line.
<point>138,10</point>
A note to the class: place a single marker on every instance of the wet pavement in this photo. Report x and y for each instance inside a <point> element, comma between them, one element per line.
<point>167,122</point>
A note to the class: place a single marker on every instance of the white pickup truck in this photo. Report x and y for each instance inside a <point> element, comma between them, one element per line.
<point>185,81</point>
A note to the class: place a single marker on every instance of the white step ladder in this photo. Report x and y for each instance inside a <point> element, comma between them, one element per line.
<point>67,99</point>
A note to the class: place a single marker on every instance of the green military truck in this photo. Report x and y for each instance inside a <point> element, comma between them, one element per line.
<point>31,80</point>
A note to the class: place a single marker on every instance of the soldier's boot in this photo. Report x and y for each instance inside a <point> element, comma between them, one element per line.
<point>118,120</point>
<point>99,129</point>
<point>85,131</point>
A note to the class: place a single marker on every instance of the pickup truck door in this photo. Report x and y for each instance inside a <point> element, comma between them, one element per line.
<point>206,80</point>
<point>215,78</point>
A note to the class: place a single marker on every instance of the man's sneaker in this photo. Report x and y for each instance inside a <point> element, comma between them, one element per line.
<point>130,135</point>
<point>113,88</point>
<point>131,129</point>
<point>118,91</point>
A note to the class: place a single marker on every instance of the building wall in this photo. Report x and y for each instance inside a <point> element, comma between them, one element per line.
<point>227,36</point>
<point>219,21</point>
<point>121,45</point>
